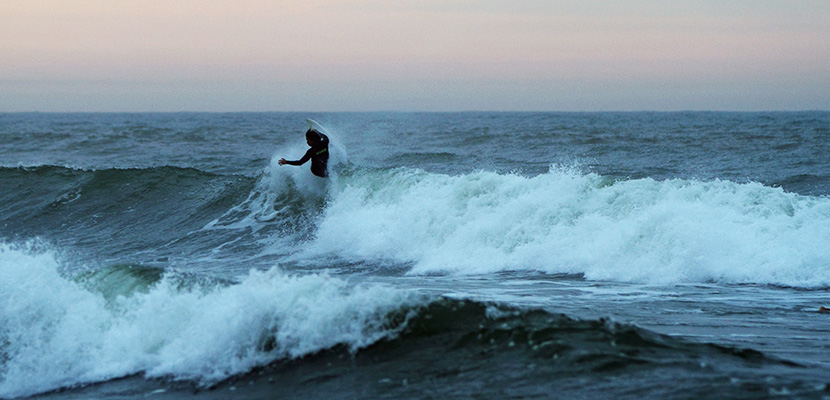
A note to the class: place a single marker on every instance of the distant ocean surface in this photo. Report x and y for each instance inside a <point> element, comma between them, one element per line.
<point>638,255</point>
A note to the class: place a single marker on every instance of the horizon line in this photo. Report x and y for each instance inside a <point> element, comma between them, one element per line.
<point>421,111</point>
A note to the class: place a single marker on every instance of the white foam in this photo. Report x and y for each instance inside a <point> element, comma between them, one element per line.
<point>569,222</point>
<point>55,333</point>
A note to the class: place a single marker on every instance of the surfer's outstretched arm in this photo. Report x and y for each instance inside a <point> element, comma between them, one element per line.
<point>301,161</point>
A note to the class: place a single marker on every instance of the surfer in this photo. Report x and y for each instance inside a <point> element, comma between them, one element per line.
<point>318,153</point>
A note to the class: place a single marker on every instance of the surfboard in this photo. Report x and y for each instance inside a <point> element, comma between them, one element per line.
<point>312,124</point>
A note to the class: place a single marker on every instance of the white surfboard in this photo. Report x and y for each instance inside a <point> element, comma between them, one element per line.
<point>312,124</point>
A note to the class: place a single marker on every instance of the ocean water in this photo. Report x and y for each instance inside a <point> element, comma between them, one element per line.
<point>449,255</point>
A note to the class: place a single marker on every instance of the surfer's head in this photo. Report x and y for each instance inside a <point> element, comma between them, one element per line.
<point>312,136</point>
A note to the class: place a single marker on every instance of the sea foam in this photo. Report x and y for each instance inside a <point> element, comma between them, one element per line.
<point>566,221</point>
<point>56,332</point>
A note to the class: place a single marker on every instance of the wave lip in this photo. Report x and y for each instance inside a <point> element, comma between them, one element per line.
<point>639,230</point>
<point>57,333</point>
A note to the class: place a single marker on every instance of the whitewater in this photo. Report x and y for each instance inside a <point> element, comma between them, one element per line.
<point>564,221</point>
<point>61,332</point>
<point>645,255</point>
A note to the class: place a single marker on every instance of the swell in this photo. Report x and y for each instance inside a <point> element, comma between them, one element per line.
<point>132,209</point>
<point>461,348</point>
<point>810,184</point>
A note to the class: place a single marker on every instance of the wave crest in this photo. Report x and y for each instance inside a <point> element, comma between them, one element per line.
<point>57,333</point>
<point>639,230</point>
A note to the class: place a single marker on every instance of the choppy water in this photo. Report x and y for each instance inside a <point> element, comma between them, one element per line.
<point>463,255</point>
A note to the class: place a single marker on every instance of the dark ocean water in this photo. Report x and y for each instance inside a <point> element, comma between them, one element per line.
<point>458,255</point>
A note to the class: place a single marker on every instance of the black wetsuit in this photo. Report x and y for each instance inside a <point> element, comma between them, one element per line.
<point>319,156</point>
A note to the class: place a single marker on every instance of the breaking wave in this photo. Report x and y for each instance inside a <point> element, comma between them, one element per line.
<point>566,221</point>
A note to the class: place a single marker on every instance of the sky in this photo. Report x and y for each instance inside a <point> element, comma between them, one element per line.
<point>408,55</point>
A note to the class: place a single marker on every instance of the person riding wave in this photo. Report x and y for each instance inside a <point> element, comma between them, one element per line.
<point>318,153</point>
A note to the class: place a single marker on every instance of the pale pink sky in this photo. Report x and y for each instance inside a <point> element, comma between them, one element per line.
<point>428,55</point>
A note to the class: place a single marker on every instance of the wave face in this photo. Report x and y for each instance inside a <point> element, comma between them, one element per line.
<point>114,211</point>
<point>61,332</point>
<point>565,221</point>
